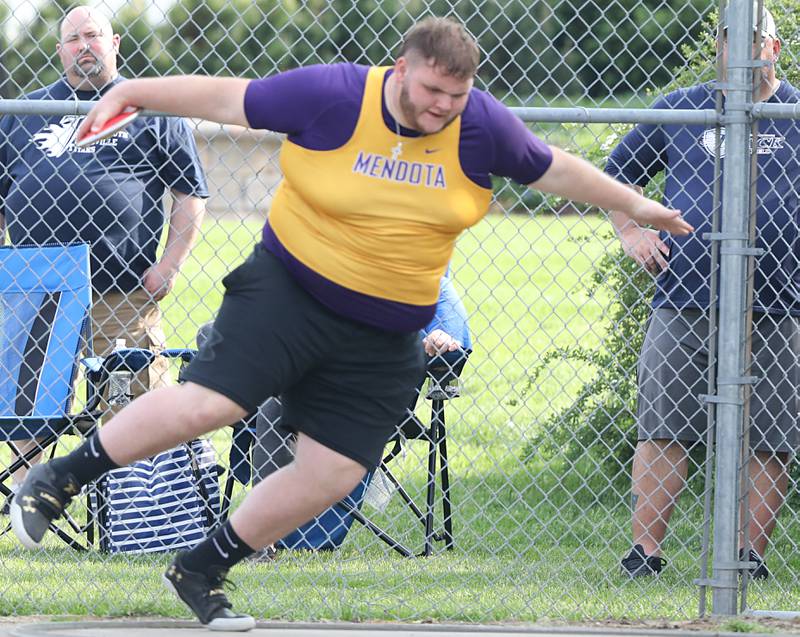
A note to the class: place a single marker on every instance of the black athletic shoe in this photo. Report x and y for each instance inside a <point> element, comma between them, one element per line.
<point>637,564</point>
<point>204,595</point>
<point>760,570</point>
<point>41,499</point>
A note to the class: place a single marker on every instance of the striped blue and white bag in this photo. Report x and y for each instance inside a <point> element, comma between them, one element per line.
<point>167,502</point>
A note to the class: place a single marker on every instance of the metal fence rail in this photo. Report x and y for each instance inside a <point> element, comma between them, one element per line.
<point>541,427</point>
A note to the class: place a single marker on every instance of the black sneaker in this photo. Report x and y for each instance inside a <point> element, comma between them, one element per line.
<point>41,499</point>
<point>637,564</point>
<point>205,596</point>
<point>760,570</point>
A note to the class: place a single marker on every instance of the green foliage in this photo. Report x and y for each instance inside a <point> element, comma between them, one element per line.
<point>742,626</point>
<point>204,34</point>
<point>31,58</point>
<point>600,422</point>
<point>551,49</point>
<point>138,43</point>
<point>626,44</point>
<point>4,50</point>
<point>700,56</point>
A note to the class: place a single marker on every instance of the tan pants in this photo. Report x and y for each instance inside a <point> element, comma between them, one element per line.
<point>136,318</point>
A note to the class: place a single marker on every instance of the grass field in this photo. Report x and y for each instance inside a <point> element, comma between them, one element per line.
<point>537,541</point>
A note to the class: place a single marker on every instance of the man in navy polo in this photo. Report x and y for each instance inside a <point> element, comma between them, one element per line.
<point>673,365</point>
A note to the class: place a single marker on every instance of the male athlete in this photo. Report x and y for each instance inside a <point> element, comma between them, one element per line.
<point>383,169</point>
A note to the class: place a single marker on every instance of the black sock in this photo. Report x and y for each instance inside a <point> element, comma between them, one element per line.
<point>220,550</point>
<point>88,462</point>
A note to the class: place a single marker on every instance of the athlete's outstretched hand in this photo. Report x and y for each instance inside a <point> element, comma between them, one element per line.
<point>652,213</point>
<point>108,106</point>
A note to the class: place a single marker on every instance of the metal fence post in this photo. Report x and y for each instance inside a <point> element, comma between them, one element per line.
<point>733,269</point>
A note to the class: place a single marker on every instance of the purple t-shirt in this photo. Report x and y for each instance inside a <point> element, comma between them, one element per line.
<point>318,108</point>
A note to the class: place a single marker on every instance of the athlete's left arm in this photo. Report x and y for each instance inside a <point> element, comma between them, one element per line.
<point>522,156</point>
<point>573,178</point>
<point>184,226</point>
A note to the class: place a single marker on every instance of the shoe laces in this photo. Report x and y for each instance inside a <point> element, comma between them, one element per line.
<point>218,582</point>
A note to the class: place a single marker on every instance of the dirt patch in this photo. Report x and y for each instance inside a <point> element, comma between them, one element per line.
<point>734,625</point>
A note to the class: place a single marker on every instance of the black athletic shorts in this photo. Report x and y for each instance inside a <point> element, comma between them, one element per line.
<point>342,383</point>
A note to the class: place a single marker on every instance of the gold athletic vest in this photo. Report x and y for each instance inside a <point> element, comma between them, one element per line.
<point>379,223</point>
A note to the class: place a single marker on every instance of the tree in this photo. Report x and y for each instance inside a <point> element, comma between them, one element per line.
<point>139,45</point>
<point>206,36</point>
<point>31,60</point>
<point>4,47</point>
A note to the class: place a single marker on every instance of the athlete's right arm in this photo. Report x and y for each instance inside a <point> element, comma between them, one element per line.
<point>216,99</point>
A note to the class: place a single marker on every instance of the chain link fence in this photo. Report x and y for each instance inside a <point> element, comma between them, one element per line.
<point>538,432</point>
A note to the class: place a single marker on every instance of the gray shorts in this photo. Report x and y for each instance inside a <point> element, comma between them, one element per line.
<point>673,373</point>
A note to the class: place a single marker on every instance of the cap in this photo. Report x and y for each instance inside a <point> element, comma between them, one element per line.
<point>768,29</point>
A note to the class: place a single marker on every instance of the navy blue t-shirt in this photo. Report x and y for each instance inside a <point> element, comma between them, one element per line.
<point>686,154</point>
<point>109,195</point>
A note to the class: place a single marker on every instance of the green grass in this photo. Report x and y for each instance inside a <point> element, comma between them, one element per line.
<point>534,542</point>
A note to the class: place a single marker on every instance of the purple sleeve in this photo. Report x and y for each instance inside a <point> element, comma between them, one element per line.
<point>317,106</point>
<point>518,153</point>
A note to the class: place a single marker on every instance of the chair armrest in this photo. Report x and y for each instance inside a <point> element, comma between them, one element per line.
<point>185,354</point>
<point>447,366</point>
<point>130,359</point>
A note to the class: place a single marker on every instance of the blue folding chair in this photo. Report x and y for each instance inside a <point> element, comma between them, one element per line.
<point>45,299</point>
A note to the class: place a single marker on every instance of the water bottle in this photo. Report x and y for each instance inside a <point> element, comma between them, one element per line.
<point>119,381</point>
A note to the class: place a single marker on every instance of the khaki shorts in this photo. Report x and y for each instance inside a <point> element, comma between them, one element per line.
<point>135,317</point>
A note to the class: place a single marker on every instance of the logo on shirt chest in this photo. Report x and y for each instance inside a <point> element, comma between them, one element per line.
<point>414,173</point>
<point>56,139</point>
<point>767,143</point>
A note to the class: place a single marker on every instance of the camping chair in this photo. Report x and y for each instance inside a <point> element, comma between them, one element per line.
<point>443,373</point>
<point>240,463</point>
<point>45,298</point>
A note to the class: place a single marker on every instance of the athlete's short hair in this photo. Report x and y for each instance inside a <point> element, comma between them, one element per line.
<point>446,44</point>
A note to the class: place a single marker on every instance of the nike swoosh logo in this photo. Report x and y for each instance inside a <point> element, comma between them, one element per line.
<point>230,540</point>
<point>219,549</point>
<point>429,151</point>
